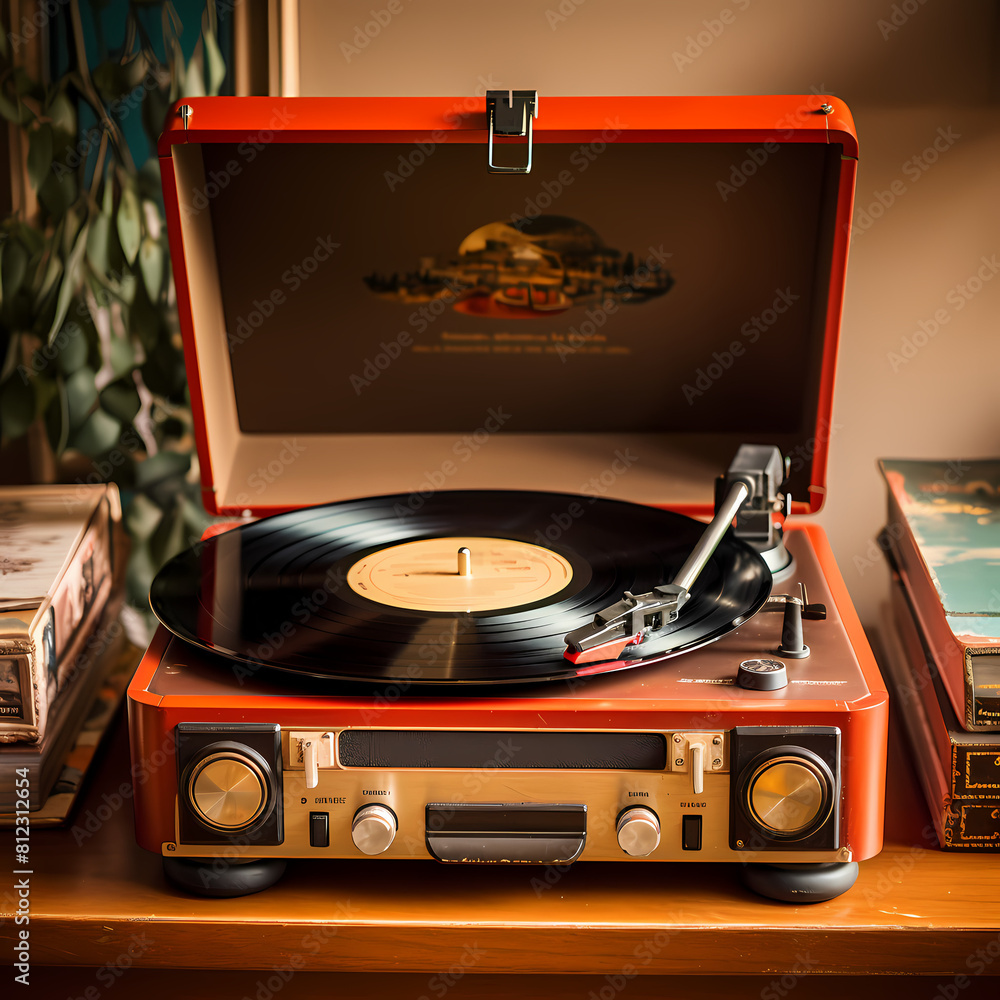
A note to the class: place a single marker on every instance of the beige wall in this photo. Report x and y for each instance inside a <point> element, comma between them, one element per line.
<point>939,70</point>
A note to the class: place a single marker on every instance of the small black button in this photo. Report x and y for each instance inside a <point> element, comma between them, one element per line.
<point>319,829</point>
<point>691,833</point>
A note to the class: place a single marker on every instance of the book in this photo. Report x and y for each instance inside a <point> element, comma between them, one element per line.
<point>958,770</point>
<point>57,764</point>
<point>943,531</point>
<point>56,559</point>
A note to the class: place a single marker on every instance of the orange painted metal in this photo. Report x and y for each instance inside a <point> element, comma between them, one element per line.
<point>862,721</point>
<point>755,120</point>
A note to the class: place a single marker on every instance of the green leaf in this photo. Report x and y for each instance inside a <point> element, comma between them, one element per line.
<point>122,356</point>
<point>81,396</point>
<point>39,155</point>
<point>23,83</point>
<point>62,113</point>
<point>46,389</point>
<point>12,357</point>
<point>57,192</point>
<point>53,272</point>
<point>98,434</point>
<point>97,243</point>
<point>162,465</point>
<point>170,536</point>
<point>144,320</point>
<point>18,113</point>
<point>56,427</point>
<point>141,517</point>
<point>216,64</point>
<point>13,268</point>
<point>73,348</point>
<point>121,400</point>
<point>17,407</point>
<point>151,264</point>
<point>129,224</point>
<point>72,278</point>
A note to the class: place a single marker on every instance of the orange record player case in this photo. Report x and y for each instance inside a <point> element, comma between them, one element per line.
<point>847,693</point>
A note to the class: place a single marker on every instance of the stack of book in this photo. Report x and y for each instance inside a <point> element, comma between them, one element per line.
<point>60,634</point>
<point>943,657</point>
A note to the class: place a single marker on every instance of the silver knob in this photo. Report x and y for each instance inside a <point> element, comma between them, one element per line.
<point>373,829</point>
<point>638,831</point>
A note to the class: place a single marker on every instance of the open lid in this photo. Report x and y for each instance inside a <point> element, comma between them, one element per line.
<point>367,309</point>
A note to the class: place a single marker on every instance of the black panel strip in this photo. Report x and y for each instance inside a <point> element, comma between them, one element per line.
<point>454,749</point>
<point>524,819</point>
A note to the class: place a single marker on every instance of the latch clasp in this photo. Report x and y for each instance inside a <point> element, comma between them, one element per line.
<point>510,113</point>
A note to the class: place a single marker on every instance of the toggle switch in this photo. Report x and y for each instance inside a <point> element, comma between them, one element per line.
<point>698,768</point>
<point>315,750</point>
<point>697,753</point>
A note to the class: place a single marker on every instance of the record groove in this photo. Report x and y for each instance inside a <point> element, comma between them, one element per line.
<point>275,592</point>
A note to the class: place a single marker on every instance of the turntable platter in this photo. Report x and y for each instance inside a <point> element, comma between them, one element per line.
<point>369,590</point>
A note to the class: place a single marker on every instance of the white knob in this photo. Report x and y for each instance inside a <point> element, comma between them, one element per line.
<point>638,831</point>
<point>373,829</point>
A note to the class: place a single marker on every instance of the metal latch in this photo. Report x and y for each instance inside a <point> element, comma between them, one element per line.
<point>509,113</point>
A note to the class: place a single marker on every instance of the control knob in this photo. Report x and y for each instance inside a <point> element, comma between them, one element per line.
<point>228,791</point>
<point>790,795</point>
<point>638,831</point>
<point>373,829</point>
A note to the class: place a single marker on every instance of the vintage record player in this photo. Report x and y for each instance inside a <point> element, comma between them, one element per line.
<point>532,389</point>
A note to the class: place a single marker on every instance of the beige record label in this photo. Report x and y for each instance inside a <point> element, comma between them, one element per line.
<point>460,574</point>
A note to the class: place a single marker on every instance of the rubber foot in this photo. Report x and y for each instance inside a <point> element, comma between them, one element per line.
<point>223,879</point>
<point>802,883</point>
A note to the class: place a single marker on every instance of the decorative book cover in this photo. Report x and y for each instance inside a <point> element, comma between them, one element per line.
<point>944,531</point>
<point>56,559</point>
<point>958,770</point>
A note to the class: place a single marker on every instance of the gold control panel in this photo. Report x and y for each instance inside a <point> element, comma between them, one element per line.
<point>678,811</point>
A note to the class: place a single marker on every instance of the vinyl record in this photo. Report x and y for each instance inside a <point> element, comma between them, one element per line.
<point>472,587</point>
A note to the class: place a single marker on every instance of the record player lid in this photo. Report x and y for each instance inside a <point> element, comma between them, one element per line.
<point>366,309</point>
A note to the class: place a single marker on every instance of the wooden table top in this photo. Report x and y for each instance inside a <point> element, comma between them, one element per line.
<point>914,910</point>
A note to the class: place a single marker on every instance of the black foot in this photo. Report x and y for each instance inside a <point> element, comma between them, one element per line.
<point>223,879</point>
<point>803,883</point>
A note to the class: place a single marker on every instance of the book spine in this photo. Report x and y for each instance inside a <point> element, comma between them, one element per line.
<point>50,641</point>
<point>958,779</point>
